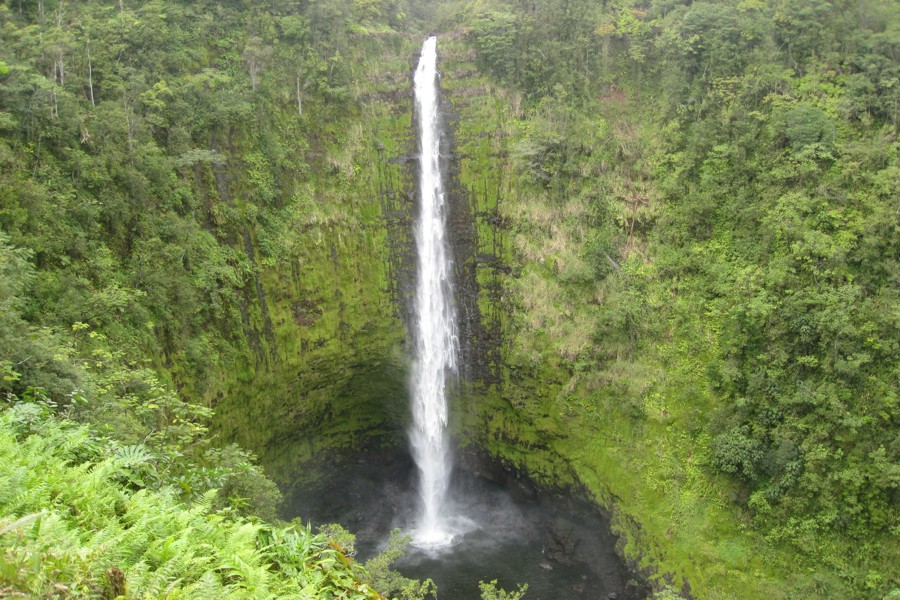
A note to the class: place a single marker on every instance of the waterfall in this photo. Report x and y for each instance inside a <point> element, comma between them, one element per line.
<point>435,328</point>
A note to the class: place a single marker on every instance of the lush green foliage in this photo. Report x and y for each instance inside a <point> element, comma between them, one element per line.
<point>125,402</point>
<point>74,526</point>
<point>713,189</point>
<point>144,506</point>
<point>701,208</point>
<point>158,161</point>
<point>489,591</point>
<point>197,188</point>
<point>117,170</point>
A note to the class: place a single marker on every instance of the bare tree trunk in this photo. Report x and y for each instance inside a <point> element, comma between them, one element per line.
<point>37,157</point>
<point>299,98</point>
<point>612,261</point>
<point>60,67</point>
<point>90,75</point>
<point>604,53</point>
<point>60,47</point>
<point>129,130</point>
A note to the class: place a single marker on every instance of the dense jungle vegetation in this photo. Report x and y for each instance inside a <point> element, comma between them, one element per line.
<point>711,203</point>
<point>699,211</point>
<point>127,254</point>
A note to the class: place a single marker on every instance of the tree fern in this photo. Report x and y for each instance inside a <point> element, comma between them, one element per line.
<point>207,587</point>
<point>69,518</point>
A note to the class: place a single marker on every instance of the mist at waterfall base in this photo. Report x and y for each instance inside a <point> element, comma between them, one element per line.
<point>560,548</point>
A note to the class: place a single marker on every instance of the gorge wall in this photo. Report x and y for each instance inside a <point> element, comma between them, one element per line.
<point>674,231</point>
<point>328,372</point>
<point>560,387</point>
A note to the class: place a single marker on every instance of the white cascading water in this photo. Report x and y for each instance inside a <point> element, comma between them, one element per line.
<point>436,343</point>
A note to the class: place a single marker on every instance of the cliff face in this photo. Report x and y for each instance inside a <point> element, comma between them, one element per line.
<point>327,375</point>
<point>326,371</point>
<point>503,397</point>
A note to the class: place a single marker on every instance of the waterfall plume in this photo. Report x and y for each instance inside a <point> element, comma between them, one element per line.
<point>435,324</point>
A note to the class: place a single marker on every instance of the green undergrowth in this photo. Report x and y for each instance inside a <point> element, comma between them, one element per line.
<point>78,524</point>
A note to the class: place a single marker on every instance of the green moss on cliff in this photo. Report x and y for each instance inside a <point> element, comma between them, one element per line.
<point>605,377</point>
<point>329,373</point>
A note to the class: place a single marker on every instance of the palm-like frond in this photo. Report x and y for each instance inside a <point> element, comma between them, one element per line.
<point>71,517</point>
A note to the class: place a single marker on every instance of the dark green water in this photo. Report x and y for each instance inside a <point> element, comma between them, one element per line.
<point>561,549</point>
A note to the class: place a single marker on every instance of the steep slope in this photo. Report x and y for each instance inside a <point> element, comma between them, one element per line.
<point>685,263</point>
<point>217,192</point>
<point>674,230</point>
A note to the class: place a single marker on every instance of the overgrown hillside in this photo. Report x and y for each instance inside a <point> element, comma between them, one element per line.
<point>676,233</point>
<point>689,218</point>
<point>205,193</point>
<point>191,216</point>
